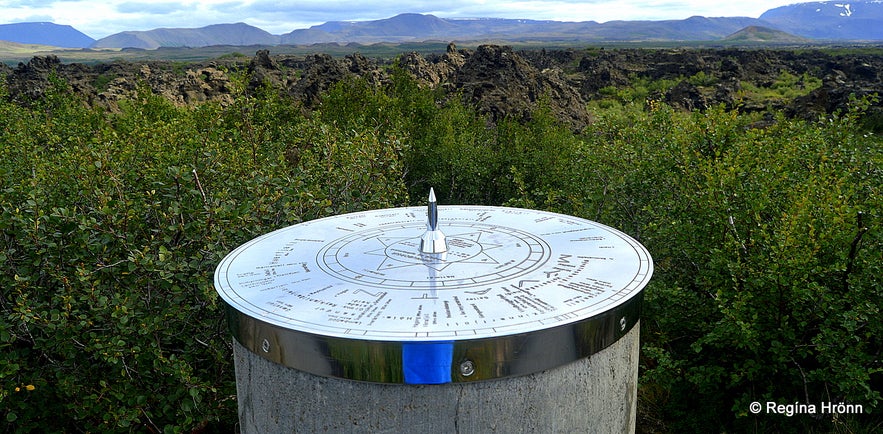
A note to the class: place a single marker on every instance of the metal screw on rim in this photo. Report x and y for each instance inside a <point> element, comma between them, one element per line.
<point>467,368</point>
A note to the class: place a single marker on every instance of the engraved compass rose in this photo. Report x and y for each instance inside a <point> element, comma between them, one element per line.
<point>390,257</point>
<point>394,256</point>
<point>437,272</point>
<point>465,248</point>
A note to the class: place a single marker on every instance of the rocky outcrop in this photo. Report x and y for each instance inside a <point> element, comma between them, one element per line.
<point>686,96</point>
<point>435,71</point>
<point>837,94</point>
<point>30,82</point>
<point>106,84</point>
<point>501,84</point>
<point>499,81</point>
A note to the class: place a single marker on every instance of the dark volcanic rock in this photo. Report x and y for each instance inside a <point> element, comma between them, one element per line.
<point>32,79</point>
<point>686,96</point>
<point>497,80</point>
<point>323,72</point>
<point>836,95</point>
<point>263,70</point>
<point>106,84</point>
<point>434,71</point>
<point>501,83</point>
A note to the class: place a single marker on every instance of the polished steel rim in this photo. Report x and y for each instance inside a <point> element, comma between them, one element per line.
<point>466,360</point>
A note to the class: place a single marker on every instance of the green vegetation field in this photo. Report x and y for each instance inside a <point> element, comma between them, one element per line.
<point>767,239</point>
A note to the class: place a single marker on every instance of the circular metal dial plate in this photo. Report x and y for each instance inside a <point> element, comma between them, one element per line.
<point>363,276</point>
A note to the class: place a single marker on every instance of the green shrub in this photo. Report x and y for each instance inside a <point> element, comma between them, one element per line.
<point>784,88</point>
<point>111,228</point>
<point>767,284</point>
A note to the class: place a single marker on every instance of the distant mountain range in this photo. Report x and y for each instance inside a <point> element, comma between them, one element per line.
<point>217,34</point>
<point>827,21</point>
<point>414,27</point>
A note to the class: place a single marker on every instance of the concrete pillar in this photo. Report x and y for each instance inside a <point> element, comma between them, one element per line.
<point>595,394</point>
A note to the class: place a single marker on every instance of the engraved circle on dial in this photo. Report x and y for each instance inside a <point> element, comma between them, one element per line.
<point>390,257</point>
<point>363,276</point>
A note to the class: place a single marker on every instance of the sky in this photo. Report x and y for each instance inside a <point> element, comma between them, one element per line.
<point>100,18</point>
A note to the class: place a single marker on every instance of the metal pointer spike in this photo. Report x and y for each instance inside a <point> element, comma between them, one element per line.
<point>432,212</point>
<point>433,240</point>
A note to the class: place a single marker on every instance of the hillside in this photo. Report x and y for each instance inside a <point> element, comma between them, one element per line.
<point>765,35</point>
<point>417,27</point>
<point>9,49</point>
<point>44,34</point>
<point>856,20</point>
<point>218,34</point>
